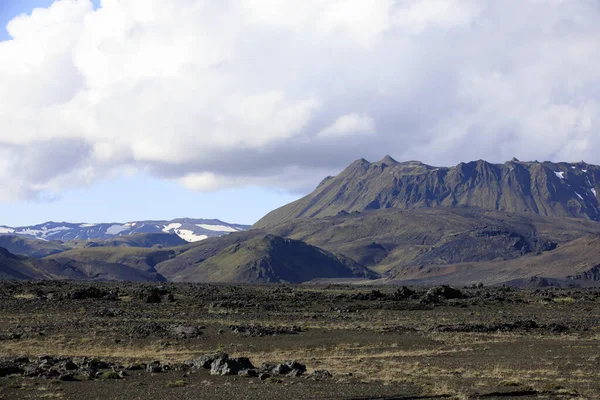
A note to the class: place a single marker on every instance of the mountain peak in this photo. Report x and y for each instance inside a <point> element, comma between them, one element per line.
<point>551,189</point>
<point>388,160</point>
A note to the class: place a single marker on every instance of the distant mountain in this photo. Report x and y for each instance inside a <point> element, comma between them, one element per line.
<point>191,230</point>
<point>24,268</point>
<point>31,247</point>
<point>39,248</point>
<point>543,188</point>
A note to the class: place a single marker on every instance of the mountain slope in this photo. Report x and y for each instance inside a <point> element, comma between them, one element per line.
<point>391,239</point>
<point>136,258</point>
<point>260,258</point>
<point>549,189</point>
<point>575,263</point>
<point>189,229</point>
<point>24,268</point>
<point>19,267</point>
<point>31,247</point>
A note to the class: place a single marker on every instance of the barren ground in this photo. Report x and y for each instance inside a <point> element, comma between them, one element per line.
<point>377,343</point>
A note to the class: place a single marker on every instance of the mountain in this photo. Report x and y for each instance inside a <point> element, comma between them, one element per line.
<point>191,230</point>
<point>543,188</point>
<point>389,239</point>
<point>20,267</point>
<point>31,247</point>
<point>261,258</point>
<point>575,263</point>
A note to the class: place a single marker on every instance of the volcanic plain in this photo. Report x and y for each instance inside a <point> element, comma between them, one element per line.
<point>68,340</point>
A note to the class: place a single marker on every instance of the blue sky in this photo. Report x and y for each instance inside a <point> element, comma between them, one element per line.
<point>135,109</point>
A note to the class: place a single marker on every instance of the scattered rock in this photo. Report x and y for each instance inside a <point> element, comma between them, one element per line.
<point>258,330</point>
<point>320,374</point>
<point>403,293</point>
<point>206,361</point>
<point>185,332</point>
<point>90,292</point>
<point>440,293</point>
<point>230,366</point>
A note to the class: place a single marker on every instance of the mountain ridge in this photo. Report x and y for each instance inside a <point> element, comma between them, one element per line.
<point>189,229</point>
<point>544,188</point>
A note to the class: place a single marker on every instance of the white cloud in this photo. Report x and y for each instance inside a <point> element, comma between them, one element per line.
<point>222,94</point>
<point>349,124</point>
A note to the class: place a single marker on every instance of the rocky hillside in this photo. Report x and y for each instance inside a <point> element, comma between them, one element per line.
<point>391,239</point>
<point>543,188</point>
<point>260,258</point>
<point>191,230</point>
<point>24,268</point>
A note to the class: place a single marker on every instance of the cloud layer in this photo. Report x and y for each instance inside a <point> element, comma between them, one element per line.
<point>281,93</point>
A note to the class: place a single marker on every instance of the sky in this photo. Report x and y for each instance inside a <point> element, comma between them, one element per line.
<point>122,110</point>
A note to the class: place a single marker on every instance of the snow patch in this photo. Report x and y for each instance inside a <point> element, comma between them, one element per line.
<point>189,236</point>
<point>43,232</point>
<point>116,229</point>
<point>585,170</point>
<point>170,227</point>
<point>593,191</point>
<point>6,230</point>
<point>86,225</point>
<point>560,175</point>
<point>217,228</point>
<point>578,195</point>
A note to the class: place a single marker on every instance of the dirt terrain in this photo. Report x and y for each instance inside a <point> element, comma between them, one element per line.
<point>220,341</point>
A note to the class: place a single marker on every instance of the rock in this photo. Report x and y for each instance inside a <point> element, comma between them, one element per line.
<point>50,374</point>
<point>403,293</point>
<point>152,295</point>
<point>155,367</point>
<point>264,376</point>
<point>94,364</point>
<point>281,369</point>
<point>440,293</point>
<point>297,369</point>
<point>136,367</point>
<point>206,361</point>
<point>9,368</point>
<point>88,293</point>
<point>230,366</point>
<point>185,332</point>
<point>67,377</point>
<point>258,330</point>
<point>111,375</point>
<point>320,374</point>
<point>248,373</point>
<point>558,328</point>
<point>68,365</point>
<point>32,370</point>
<point>267,367</point>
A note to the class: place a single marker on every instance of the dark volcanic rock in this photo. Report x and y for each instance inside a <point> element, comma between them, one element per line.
<point>206,360</point>
<point>230,366</point>
<point>441,293</point>
<point>9,368</point>
<point>403,293</point>
<point>258,330</point>
<point>319,374</point>
<point>88,293</point>
<point>185,332</point>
